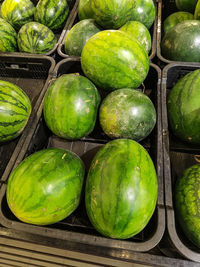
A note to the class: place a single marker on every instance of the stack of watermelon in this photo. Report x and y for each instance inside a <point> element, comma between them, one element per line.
<point>27,28</point>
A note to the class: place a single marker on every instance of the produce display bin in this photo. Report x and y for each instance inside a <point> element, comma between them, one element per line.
<point>30,73</point>
<point>153,31</point>
<point>76,227</point>
<point>178,156</point>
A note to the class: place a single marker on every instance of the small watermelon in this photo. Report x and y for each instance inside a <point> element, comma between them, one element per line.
<point>52,13</point>
<point>46,186</point>
<point>8,40</point>
<point>17,12</point>
<point>70,106</point>
<point>35,38</point>
<point>15,109</point>
<point>186,5</point>
<point>121,189</point>
<point>78,36</point>
<point>84,10</point>
<point>187,203</point>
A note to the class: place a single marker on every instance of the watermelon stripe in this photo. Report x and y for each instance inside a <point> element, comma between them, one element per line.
<point>16,103</point>
<point>8,136</point>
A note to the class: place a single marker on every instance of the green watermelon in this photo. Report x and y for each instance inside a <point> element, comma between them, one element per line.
<point>184,108</point>
<point>70,106</point>
<point>187,203</point>
<point>17,12</point>
<point>8,40</point>
<point>139,31</point>
<point>15,109</point>
<point>112,60</point>
<point>144,11</point>
<point>176,18</point>
<point>186,5</point>
<point>78,35</point>
<point>184,46</point>
<point>46,186</point>
<point>121,189</point>
<point>35,38</point>
<point>84,10</point>
<point>52,13</point>
<point>127,113</point>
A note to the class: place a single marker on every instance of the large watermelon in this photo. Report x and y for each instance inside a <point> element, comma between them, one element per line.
<point>45,187</point>
<point>52,13</point>
<point>121,189</point>
<point>186,5</point>
<point>17,12</point>
<point>184,108</point>
<point>35,38</point>
<point>144,11</point>
<point>184,46</point>
<point>15,109</point>
<point>70,106</point>
<point>84,10</point>
<point>127,113</point>
<point>8,37</point>
<point>187,203</point>
<point>78,35</point>
<point>112,60</point>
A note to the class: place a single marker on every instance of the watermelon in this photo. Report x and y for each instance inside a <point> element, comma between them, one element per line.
<point>144,11</point>
<point>186,5</point>
<point>139,31</point>
<point>78,35</point>
<point>8,40</point>
<point>35,38</point>
<point>187,203</point>
<point>112,60</point>
<point>84,10</point>
<point>175,18</point>
<point>46,186</point>
<point>70,106</point>
<point>17,12</point>
<point>121,189</point>
<point>184,108</point>
<point>15,109</point>
<point>184,46</point>
<point>52,13</point>
<point>127,113</point>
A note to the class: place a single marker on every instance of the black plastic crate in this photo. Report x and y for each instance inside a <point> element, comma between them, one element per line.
<point>75,19</point>
<point>178,156</point>
<point>29,73</point>
<point>76,227</point>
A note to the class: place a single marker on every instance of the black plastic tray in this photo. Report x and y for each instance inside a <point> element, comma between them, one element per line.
<point>29,73</point>
<point>77,228</point>
<point>178,156</point>
<point>75,19</point>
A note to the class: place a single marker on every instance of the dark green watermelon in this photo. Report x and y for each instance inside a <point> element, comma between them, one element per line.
<point>78,35</point>
<point>15,109</point>
<point>121,189</point>
<point>176,18</point>
<point>70,106</point>
<point>17,12</point>
<point>184,108</point>
<point>112,60</point>
<point>184,46</point>
<point>8,40</point>
<point>52,13</point>
<point>45,187</point>
<point>35,38</point>
<point>127,113</point>
<point>84,10</point>
<point>186,5</point>
<point>187,203</point>
<point>144,11</point>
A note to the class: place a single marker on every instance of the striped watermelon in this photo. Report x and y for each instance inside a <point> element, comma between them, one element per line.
<point>35,38</point>
<point>45,187</point>
<point>121,189</point>
<point>184,108</point>
<point>17,12</point>
<point>70,106</point>
<point>8,40</point>
<point>186,5</point>
<point>112,60</point>
<point>52,13</point>
<point>84,10</point>
<point>15,109</point>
